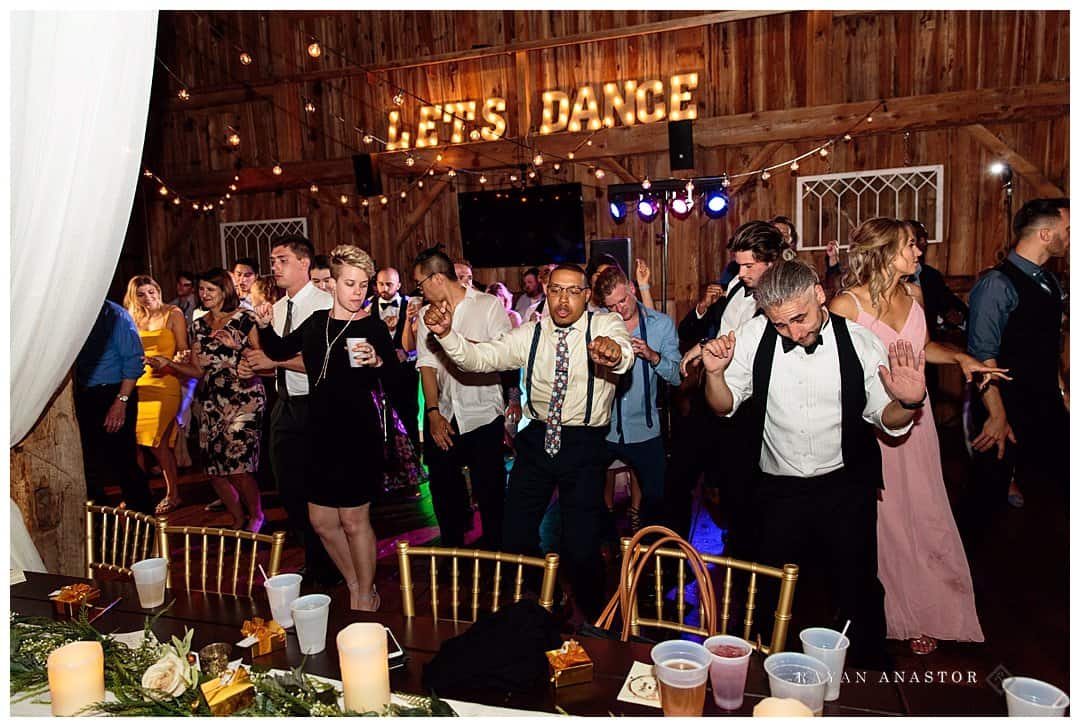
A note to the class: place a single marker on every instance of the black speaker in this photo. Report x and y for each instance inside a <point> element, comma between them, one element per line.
<point>368,181</point>
<point>680,135</point>
<point>619,248</point>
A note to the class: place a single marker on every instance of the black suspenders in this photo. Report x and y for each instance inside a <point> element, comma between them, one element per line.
<point>532,361</point>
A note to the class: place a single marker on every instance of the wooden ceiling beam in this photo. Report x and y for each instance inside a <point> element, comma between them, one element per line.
<point>759,161</point>
<point>230,93</point>
<point>416,214</point>
<point>813,123</point>
<point>1031,173</point>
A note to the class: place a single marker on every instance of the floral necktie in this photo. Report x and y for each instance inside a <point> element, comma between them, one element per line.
<point>553,432</point>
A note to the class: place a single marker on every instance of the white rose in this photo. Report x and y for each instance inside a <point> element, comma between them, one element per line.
<point>168,675</point>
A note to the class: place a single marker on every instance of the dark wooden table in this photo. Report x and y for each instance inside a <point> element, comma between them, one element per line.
<point>217,618</point>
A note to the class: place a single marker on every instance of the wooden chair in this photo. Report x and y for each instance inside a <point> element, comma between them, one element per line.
<point>787,576</point>
<point>117,538</point>
<point>232,548</point>
<point>549,564</point>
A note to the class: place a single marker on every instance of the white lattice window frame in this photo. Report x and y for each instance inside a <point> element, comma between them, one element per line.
<point>252,238</point>
<point>860,184</point>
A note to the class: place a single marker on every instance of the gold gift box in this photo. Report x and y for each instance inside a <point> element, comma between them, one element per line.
<point>569,665</point>
<point>71,598</point>
<point>229,698</point>
<point>270,635</point>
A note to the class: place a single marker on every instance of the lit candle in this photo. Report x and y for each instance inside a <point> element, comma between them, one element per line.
<point>365,671</point>
<point>781,707</point>
<point>76,677</point>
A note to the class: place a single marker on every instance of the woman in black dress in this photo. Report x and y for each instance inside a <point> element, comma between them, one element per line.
<point>343,350</point>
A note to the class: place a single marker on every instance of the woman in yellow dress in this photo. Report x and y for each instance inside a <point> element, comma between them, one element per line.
<point>164,334</point>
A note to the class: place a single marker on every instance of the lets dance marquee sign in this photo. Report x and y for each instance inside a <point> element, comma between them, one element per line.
<point>625,102</point>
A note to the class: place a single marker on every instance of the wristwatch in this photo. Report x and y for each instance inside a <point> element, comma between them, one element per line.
<point>123,397</point>
<point>917,405</point>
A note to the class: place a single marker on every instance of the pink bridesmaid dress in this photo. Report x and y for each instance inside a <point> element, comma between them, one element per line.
<point>921,560</point>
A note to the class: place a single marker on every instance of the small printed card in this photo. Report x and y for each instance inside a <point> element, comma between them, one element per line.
<point>640,686</point>
<point>17,576</point>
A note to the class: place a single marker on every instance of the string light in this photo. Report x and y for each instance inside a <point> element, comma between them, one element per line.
<point>556,166</point>
<point>532,174</point>
<point>183,94</point>
<point>404,194</point>
<point>847,137</point>
<point>245,58</point>
<point>344,199</point>
<point>483,179</point>
<point>513,177</point>
<point>725,182</point>
<point>232,187</point>
<point>646,184</point>
<point>277,170</point>
<point>538,159</point>
<point>234,139</point>
<point>366,138</point>
<point>309,107</point>
<point>588,142</point>
<point>164,191</point>
<point>147,173</point>
<point>599,173</point>
<point>420,183</point>
<point>869,119</point>
<point>765,175</point>
<point>409,161</point>
<point>176,200</point>
<point>451,173</point>
<point>364,202</point>
<point>824,151</point>
<point>431,172</point>
<point>195,206</point>
<point>228,195</point>
<point>438,157</point>
<point>399,97</point>
<point>383,199</point>
<point>236,178</point>
<point>474,135</point>
<point>314,49</point>
<point>795,165</point>
<point>570,155</point>
<point>314,188</point>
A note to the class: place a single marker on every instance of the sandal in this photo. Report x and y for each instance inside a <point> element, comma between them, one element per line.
<point>166,506</point>
<point>376,601</point>
<point>635,518</point>
<point>923,645</point>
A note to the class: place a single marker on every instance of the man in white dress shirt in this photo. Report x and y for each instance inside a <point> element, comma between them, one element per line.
<point>244,272</point>
<point>290,447</point>
<point>820,386</point>
<point>463,411</point>
<point>572,362</point>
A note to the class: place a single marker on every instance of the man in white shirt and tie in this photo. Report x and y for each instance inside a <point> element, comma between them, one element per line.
<point>572,362</point>
<point>820,385</point>
<point>290,446</point>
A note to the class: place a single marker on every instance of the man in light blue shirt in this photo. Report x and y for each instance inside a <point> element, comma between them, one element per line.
<point>635,435</point>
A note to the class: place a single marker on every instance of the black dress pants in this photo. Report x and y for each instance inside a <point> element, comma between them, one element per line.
<point>829,524</point>
<point>578,471</point>
<point>290,455</point>
<point>481,451</point>
<point>110,458</point>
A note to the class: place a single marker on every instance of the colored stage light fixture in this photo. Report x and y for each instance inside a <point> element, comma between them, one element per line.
<point>716,204</point>
<point>681,207</point>
<point>618,210</point>
<point>648,209</point>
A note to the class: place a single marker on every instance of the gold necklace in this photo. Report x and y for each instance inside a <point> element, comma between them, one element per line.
<point>330,344</point>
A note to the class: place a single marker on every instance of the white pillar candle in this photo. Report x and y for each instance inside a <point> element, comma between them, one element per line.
<point>76,677</point>
<point>781,707</point>
<point>365,671</point>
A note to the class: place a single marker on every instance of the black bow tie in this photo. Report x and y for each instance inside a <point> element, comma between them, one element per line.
<point>392,304</point>
<point>788,344</point>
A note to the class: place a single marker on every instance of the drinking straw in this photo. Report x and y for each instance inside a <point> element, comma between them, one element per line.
<point>842,633</point>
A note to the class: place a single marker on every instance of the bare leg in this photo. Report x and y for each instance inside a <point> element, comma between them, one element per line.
<point>327,524</point>
<point>223,486</point>
<point>167,459</point>
<point>249,492</point>
<point>357,524</point>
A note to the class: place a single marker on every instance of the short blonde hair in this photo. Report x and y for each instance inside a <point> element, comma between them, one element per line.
<point>352,256</point>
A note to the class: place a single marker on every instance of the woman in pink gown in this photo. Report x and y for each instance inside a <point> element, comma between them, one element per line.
<point>921,560</point>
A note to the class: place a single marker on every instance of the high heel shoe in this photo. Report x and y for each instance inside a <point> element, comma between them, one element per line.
<point>375,600</point>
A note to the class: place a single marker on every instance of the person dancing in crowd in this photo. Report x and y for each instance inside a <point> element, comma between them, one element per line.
<point>345,351</point>
<point>163,333</point>
<point>504,295</point>
<point>264,290</point>
<point>921,562</point>
<point>231,397</point>
<point>320,274</point>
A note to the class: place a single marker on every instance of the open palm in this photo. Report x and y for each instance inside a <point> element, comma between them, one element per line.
<point>905,379</point>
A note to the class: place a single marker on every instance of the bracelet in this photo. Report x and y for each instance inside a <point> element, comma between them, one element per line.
<point>431,409</point>
<point>644,286</point>
<point>917,405</point>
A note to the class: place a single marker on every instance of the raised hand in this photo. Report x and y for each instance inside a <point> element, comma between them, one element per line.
<point>690,358</point>
<point>832,252</point>
<point>717,353</point>
<point>642,272</point>
<point>438,319</point>
<point>905,379</point>
<point>713,293</point>
<point>605,352</point>
<point>264,314</point>
<point>970,366</point>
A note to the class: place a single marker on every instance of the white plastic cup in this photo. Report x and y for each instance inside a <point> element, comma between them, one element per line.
<point>831,648</point>
<point>149,577</point>
<point>1027,697</point>
<point>356,360</point>
<point>727,674</point>
<point>681,668</point>
<point>281,591</point>
<point>798,676</point>
<point>310,614</point>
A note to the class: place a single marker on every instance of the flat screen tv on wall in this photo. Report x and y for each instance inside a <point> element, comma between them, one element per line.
<point>534,226</point>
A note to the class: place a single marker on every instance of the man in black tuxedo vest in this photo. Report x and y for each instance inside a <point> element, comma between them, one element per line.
<point>390,304</point>
<point>819,385</point>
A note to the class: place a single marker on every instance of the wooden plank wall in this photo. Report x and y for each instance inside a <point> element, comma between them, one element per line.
<point>776,62</point>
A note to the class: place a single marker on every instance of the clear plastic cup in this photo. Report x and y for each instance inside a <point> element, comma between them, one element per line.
<point>149,577</point>
<point>356,360</point>
<point>727,673</point>
<point>1027,697</point>
<point>310,614</point>
<point>798,676</point>
<point>681,668</point>
<point>281,591</point>
<point>831,648</point>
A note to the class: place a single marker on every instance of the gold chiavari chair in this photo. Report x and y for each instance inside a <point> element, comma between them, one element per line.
<point>117,538</point>
<point>227,561</point>
<point>549,564</point>
<point>673,557</point>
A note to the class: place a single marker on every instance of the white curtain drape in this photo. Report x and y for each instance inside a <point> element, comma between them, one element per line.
<point>80,91</point>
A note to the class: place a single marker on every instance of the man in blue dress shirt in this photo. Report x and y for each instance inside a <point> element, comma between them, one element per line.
<point>106,407</point>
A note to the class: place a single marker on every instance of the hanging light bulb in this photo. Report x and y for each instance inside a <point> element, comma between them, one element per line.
<point>538,159</point>
<point>483,179</point>
<point>344,199</point>
<point>869,119</point>
<point>147,173</point>
<point>176,200</point>
<point>556,166</point>
<point>420,183</point>
<point>366,138</point>
<point>599,173</point>
<point>438,157</point>
<point>431,172</point>
<point>513,177</point>
<point>183,94</point>
<point>164,191</point>
<point>409,161</point>
<point>474,135</point>
<point>314,188</point>
<point>690,191</point>
<point>451,173</point>
<point>314,49</point>
<point>570,155</point>
<point>532,174</point>
<point>588,142</point>
<point>234,139</point>
<point>404,194</point>
<point>795,165</point>
<point>245,58</point>
<point>725,182</point>
<point>824,151</point>
<point>277,170</point>
<point>232,187</point>
<point>847,137</point>
<point>195,206</point>
<point>383,199</point>
<point>309,107</point>
<point>364,202</point>
<point>221,202</point>
<point>228,195</point>
<point>399,97</point>
<point>765,175</point>
<point>646,184</point>
<point>236,178</point>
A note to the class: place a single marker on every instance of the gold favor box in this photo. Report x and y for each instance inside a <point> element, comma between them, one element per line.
<point>270,635</point>
<point>569,665</point>
<point>232,697</point>
<point>70,599</point>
